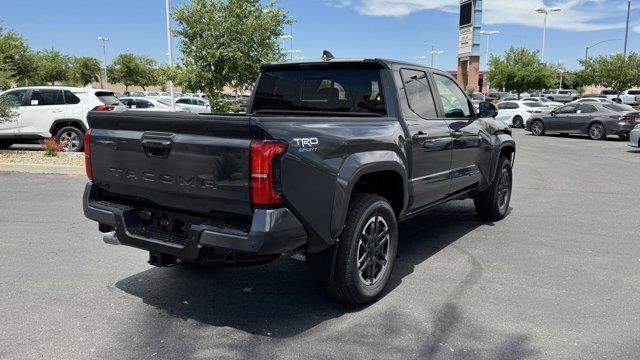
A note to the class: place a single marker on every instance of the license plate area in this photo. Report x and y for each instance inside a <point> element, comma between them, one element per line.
<point>159,225</point>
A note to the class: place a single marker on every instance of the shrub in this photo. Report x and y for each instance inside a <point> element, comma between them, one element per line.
<point>51,147</point>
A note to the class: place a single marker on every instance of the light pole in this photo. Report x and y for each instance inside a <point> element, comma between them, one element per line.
<point>104,40</point>
<point>545,11</point>
<point>170,52</point>
<point>561,68</point>
<point>488,34</point>
<point>626,31</point>
<point>284,38</point>
<point>434,54</point>
<point>291,52</point>
<point>586,51</point>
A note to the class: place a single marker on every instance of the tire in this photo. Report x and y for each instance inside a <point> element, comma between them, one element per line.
<point>624,136</point>
<point>597,131</point>
<point>551,98</point>
<point>518,122</point>
<point>537,128</point>
<point>368,215</point>
<point>5,144</point>
<point>492,204</point>
<point>73,136</point>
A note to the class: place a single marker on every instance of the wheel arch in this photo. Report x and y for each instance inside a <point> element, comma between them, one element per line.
<point>368,172</point>
<point>60,123</point>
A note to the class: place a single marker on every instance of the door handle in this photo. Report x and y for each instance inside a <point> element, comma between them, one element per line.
<point>419,135</point>
<point>56,111</point>
<point>456,134</point>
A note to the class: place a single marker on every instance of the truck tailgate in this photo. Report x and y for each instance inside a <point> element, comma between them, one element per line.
<point>189,163</point>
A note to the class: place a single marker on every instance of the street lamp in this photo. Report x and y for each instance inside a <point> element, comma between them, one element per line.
<point>561,68</point>
<point>586,51</point>
<point>434,54</point>
<point>626,31</point>
<point>488,34</point>
<point>104,40</point>
<point>291,52</point>
<point>545,11</point>
<point>170,52</point>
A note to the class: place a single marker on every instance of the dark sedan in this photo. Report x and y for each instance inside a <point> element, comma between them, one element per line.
<point>597,120</point>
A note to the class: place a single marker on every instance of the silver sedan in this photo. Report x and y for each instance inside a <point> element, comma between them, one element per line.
<point>634,137</point>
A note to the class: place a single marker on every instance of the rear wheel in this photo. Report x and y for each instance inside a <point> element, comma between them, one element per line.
<point>492,204</point>
<point>72,137</point>
<point>366,252</point>
<point>518,122</point>
<point>597,131</point>
<point>537,128</point>
<point>624,136</point>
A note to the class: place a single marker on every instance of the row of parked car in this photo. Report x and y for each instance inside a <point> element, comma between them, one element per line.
<point>61,111</point>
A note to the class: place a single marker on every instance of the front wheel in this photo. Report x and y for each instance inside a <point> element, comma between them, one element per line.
<point>492,204</point>
<point>537,128</point>
<point>597,131</point>
<point>366,251</point>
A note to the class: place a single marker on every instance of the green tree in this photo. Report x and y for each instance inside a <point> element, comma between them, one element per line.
<point>53,66</point>
<point>223,43</point>
<point>16,54</point>
<point>520,70</point>
<point>85,70</point>
<point>6,76</point>
<point>612,72</point>
<point>133,70</point>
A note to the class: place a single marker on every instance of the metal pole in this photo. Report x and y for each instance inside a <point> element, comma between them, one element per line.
<point>561,73</point>
<point>170,52</point>
<point>586,54</point>
<point>486,66</point>
<point>432,47</point>
<point>626,33</point>
<point>544,37</point>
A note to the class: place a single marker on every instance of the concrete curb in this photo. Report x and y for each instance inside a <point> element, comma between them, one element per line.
<point>42,169</point>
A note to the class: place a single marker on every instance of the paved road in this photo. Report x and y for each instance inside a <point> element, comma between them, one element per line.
<point>559,278</point>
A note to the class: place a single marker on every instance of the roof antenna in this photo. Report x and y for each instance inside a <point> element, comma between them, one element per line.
<point>327,55</point>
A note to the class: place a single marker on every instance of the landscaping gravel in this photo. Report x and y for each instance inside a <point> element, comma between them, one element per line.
<point>38,158</point>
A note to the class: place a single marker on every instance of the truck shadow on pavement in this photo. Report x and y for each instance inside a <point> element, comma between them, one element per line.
<point>279,300</point>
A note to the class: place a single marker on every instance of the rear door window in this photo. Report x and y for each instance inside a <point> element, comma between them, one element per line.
<point>70,98</point>
<point>587,109</point>
<point>419,94</point>
<point>44,97</point>
<point>338,90</point>
<point>568,109</point>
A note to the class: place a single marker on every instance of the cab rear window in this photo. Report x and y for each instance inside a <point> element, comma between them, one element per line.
<point>311,90</point>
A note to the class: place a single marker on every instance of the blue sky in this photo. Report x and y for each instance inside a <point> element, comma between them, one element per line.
<point>399,29</point>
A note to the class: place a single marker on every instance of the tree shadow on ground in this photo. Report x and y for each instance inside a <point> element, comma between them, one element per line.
<point>280,299</point>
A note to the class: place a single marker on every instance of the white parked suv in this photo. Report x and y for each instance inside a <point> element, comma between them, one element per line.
<point>53,111</point>
<point>516,113</point>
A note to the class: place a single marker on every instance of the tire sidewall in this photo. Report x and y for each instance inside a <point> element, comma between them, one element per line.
<point>541,124</point>
<point>74,129</point>
<point>604,131</point>
<point>504,164</point>
<point>518,122</point>
<point>382,208</point>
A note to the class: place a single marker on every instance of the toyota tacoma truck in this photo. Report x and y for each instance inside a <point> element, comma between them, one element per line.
<point>330,156</point>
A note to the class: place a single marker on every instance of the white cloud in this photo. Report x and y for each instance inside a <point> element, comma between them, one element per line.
<point>576,15</point>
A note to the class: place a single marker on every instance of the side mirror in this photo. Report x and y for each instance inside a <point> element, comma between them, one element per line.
<point>487,109</point>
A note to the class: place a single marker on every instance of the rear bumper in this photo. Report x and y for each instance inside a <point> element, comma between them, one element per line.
<point>272,231</point>
<point>634,138</point>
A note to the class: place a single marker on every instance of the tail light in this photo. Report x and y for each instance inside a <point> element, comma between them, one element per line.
<point>87,154</point>
<point>628,118</point>
<point>263,154</point>
<point>104,108</point>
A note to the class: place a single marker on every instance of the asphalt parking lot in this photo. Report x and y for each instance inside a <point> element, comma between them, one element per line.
<point>559,278</point>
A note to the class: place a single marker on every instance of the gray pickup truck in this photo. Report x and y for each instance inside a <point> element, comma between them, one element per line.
<point>330,156</point>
